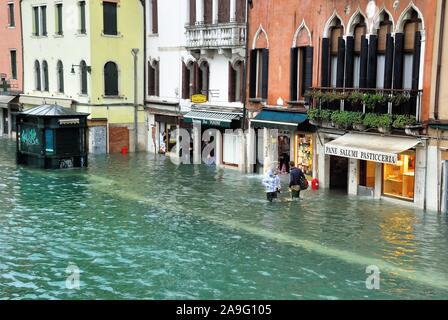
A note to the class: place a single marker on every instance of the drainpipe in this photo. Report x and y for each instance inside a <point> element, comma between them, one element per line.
<point>439,60</point>
<point>244,96</point>
<point>135,55</point>
<point>143,2</point>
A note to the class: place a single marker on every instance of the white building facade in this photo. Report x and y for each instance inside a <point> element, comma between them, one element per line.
<point>195,73</point>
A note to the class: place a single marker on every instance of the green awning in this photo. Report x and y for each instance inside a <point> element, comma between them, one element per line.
<point>278,119</point>
<point>209,118</point>
<point>439,126</point>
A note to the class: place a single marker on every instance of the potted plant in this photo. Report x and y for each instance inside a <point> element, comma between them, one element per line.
<point>325,116</point>
<point>356,98</point>
<point>384,123</point>
<point>370,120</point>
<point>372,100</point>
<point>342,119</point>
<point>358,121</point>
<point>402,121</point>
<point>399,99</point>
<point>314,116</point>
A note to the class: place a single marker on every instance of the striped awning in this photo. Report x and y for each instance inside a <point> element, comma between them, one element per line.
<point>220,119</point>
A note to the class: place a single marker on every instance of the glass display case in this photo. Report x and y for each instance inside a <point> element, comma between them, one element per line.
<point>398,180</point>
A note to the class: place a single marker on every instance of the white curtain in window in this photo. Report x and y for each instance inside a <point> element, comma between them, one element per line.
<point>407,71</point>
<point>380,70</point>
<point>334,70</point>
<point>356,70</point>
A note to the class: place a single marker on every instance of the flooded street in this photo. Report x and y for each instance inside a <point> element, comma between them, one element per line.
<point>137,226</point>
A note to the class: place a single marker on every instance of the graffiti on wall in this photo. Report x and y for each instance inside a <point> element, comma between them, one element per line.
<point>29,137</point>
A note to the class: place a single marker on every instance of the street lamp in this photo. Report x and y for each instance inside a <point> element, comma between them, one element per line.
<point>134,53</point>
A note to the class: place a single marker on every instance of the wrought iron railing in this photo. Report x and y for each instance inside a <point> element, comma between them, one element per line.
<point>382,101</point>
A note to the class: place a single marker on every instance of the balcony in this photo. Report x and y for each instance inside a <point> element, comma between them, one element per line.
<point>383,110</point>
<point>216,36</point>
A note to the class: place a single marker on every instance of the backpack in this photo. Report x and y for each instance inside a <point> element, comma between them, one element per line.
<point>304,184</point>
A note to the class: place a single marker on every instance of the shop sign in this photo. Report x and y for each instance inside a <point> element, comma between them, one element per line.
<point>212,123</point>
<point>199,98</point>
<point>368,155</point>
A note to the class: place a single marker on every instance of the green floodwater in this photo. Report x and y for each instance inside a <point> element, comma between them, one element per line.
<point>140,227</point>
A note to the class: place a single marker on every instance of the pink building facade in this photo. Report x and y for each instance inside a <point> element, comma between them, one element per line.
<point>11,79</point>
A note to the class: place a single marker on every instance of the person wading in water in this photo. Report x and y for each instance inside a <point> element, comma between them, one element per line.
<point>272,184</point>
<point>296,180</point>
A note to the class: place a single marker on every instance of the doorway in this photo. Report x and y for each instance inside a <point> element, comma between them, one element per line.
<point>338,173</point>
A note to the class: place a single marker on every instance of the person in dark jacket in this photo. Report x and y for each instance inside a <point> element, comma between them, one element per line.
<point>295,175</point>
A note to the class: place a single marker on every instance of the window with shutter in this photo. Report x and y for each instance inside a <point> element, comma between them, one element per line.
<point>111,79</point>
<point>185,81</point>
<point>60,77</point>
<point>240,11</point>
<point>223,11</point>
<point>13,64</point>
<point>204,78</point>
<point>35,21</point>
<point>43,14</point>
<point>360,31</point>
<point>59,28</point>
<point>82,17</point>
<point>151,80</point>
<point>37,75</point>
<point>208,11</point>
<point>110,18</point>
<point>45,84</point>
<point>12,22</point>
<point>155,18</point>
<point>83,77</point>
<point>192,12</point>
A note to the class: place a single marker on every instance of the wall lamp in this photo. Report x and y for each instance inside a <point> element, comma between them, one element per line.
<point>87,68</point>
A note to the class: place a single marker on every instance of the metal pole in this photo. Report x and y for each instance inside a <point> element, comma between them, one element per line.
<point>134,54</point>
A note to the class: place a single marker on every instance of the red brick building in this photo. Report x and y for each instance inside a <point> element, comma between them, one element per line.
<point>340,50</point>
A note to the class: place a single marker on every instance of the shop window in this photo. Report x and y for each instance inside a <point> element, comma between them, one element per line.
<point>398,180</point>
<point>367,173</point>
<point>304,153</point>
<point>110,18</point>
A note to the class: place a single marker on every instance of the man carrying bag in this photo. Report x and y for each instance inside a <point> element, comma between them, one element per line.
<point>297,181</point>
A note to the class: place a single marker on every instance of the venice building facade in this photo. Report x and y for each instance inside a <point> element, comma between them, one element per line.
<point>79,54</point>
<point>11,73</point>
<point>196,47</point>
<point>344,90</point>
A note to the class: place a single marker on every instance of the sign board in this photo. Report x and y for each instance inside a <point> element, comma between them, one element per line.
<point>213,123</point>
<point>362,154</point>
<point>199,98</point>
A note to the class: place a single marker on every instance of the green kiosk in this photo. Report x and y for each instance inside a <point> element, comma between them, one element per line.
<point>52,137</point>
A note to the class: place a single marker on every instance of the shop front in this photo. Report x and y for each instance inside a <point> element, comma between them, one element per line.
<point>378,166</point>
<point>8,108</point>
<point>228,144</point>
<point>283,136</point>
